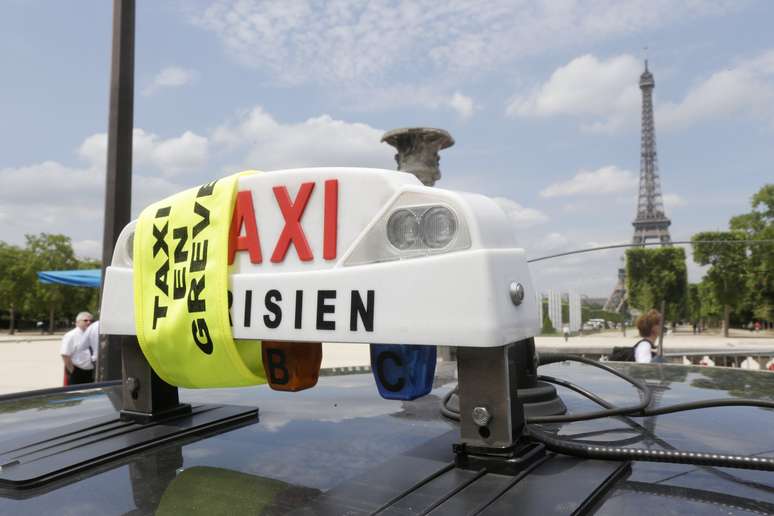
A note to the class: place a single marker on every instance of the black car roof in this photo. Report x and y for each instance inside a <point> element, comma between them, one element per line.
<point>340,447</point>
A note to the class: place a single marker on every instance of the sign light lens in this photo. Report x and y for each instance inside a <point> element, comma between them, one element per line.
<point>422,228</point>
<point>438,227</point>
<point>403,229</point>
<point>403,372</point>
<point>415,225</point>
<point>291,366</point>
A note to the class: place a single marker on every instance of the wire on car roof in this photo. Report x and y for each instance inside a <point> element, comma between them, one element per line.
<point>584,450</point>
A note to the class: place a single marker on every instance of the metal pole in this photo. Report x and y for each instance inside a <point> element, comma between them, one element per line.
<point>118,177</point>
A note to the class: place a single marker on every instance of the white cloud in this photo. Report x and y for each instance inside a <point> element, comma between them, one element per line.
<point>171,156</point>
<point>605,180</point>
<point>389,98</point>
<point>56,198</point>
<point>170,77</point>
<point>605,90</point>
<point>264,143</point>
<point>519,215</point>
<point>673,200</point>
<point>604,94</point>
<point>746,88</point>
<point>552,242</point>
<point>349,40</point>
<point>42,190</point>
<point>462,104</point>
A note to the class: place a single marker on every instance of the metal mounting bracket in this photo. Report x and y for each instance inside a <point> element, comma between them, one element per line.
<point>146,397</point>
<point>491,413</point>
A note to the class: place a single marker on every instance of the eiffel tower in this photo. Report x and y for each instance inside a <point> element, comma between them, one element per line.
<point>651,222</point>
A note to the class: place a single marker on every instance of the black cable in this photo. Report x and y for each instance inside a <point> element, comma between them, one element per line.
<point>612,453</point>
<point>645,432</point>
<point>577,388</point>
<point>596,414</point>
<point>552,358</point>
<point>593,451</point>
<point>639,410</point>
<point>695,405</point>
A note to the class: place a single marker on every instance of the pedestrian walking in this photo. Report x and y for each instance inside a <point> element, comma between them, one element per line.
<point>649,326</point>
<point>78,352</point>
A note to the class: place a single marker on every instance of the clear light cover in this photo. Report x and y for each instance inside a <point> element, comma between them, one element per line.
<point>403,229</point>
<point>438,227</point>
<point>416,225</point>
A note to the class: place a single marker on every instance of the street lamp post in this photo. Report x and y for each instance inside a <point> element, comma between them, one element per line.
<point>118,176</point>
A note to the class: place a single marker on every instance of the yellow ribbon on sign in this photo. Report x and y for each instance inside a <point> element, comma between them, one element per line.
<point>181,295</point>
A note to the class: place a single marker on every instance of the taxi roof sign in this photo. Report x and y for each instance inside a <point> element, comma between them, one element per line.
<point>315,259</point>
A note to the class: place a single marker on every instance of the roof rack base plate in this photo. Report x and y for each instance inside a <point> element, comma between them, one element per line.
<point>51,454</point>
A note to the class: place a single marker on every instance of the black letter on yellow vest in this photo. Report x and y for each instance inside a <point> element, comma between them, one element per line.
<point>199,256</point>
<point>199,328</point>
<point>366,312</point>
<point>161,278</point>
<point>179,285</point>
<point>195,304</point>
<point>160,244</point>
<point>206,189</point>
<point>180,234</point>
<point>322,309</point>
<point>381,359</point>
<point>270,301</point>
<point>277,363</point>
<point>204,213</point>
<point>159,312</point>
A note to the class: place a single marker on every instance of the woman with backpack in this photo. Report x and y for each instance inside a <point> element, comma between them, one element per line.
<point>649,326</point>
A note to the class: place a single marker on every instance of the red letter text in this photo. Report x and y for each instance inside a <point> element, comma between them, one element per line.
<point>244,214</point>
<point>292,231</point>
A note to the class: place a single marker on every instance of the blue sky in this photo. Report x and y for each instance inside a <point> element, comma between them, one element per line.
<point>541,98</point>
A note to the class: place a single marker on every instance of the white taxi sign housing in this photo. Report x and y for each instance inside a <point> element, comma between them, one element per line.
<point>361,256</point>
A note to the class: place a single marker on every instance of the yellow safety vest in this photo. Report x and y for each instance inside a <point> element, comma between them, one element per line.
<point>181,295</point>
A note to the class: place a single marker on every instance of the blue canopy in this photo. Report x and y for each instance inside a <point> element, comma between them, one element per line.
<point>76,278</point>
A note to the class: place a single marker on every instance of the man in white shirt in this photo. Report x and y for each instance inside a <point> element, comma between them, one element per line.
<point>79,350</point>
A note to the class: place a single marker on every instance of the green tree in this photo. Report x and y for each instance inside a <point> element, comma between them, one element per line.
<point>710,308</point>
<point>656,275</point>
<point>15,281</point>
<point>693,303</point>
<point>49,252</point>
<point>726,255</point>
<point>759,225</point>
